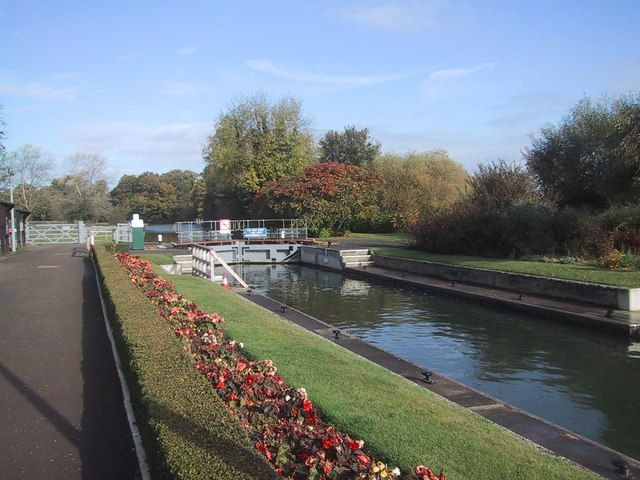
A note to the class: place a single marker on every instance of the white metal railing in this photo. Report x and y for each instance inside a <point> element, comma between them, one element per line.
<point>122,233</point>
<point>203,262</point>
<point>104,232</point>
<point>201,231</point>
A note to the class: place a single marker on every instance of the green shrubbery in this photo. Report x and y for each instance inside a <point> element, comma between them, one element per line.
<point>186,430</point>
<point>505,217</point>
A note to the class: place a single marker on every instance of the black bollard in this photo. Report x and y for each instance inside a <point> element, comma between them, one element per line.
<point>622,466</point>
<point>428,377</point>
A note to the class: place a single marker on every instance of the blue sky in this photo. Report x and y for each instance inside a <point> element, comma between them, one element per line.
<point>142,82</point>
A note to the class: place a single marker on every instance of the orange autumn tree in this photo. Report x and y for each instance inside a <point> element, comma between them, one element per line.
<point>332,196</point>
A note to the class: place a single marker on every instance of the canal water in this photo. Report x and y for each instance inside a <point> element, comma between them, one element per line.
<point>583,380</point>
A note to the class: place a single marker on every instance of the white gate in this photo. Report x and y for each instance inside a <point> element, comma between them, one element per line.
<point>42,233</point>
<point>122,233</point>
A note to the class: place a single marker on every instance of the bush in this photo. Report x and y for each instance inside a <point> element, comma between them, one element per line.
<point>504,217</point>
<point>186,429</point>
<point>617,260</point>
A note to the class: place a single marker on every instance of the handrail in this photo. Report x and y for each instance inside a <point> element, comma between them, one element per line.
<point>229,269</point>
<point>203,263</point>
<point>224,230</point>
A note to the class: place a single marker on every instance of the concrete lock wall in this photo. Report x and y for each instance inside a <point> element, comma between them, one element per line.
<point>255,253</point>
<point>603,295</point>
<point>321,257</point>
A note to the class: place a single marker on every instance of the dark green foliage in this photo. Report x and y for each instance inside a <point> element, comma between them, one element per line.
<point>504,216</point>
<point>158,198</point>
<point>349,146</point>
<point>592,158</point>
<point>186,430</point>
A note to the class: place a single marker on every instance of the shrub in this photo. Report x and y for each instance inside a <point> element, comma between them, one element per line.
<point>332,196</point>
<point>618,260</point>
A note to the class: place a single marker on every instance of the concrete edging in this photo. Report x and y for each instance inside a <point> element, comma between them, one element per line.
<point>603,295</point>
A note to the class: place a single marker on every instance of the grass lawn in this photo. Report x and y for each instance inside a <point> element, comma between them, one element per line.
<point>402,423</point>
<point>381,237</point>
<point>582,272</point>
<point>159,258</point>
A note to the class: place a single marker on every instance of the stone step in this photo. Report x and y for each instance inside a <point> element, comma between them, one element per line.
<point>358,264</point>
<point>358,251</point>
<point>181,258</point>
<point>356,258</point>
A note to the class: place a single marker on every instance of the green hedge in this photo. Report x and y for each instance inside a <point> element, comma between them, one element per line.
<point>186,430</point>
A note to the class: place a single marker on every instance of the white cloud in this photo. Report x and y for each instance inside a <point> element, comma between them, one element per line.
<point>38,90</point>
<point>67,76</point>
<point>28,107</point>
<point>186,50</point>
<point>142,147</point>
<point>460,72</point>
<point>395,16</point>
<point>180,89</point>
<point>339,81</point>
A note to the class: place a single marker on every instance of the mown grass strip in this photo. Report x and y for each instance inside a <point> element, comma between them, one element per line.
<point>404,424</point>
<point>581,272</point>
<point>186,430</point>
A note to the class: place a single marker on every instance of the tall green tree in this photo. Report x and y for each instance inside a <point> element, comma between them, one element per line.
<point>349,146</point>
<point>256,141</point>
<point>592,158</point>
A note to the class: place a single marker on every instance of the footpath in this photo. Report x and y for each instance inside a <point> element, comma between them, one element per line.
<point>61,407</point>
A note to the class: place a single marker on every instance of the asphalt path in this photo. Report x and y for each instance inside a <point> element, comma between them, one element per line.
<point>61,407</point>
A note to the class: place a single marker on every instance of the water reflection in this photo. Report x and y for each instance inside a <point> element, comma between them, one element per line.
<point>586,381</point>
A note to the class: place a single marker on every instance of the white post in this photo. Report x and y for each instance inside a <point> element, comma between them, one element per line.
<point>82,234</point>
<point>212,264</point>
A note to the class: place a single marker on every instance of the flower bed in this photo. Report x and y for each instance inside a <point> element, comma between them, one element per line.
<point>281,420</point>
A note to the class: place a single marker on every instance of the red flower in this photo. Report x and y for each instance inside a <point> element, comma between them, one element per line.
<point>364,460</point>
<point>355,445</point>
<point>307,406</point>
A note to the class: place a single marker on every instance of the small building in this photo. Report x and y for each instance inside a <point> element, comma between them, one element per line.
<point>5,227</point>
<point>21,227</point>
